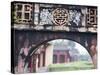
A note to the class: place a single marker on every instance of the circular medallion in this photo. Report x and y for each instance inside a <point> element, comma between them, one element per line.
<point>60,16</point>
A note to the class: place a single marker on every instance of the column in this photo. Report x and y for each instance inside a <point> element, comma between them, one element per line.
<point>93,52</point>
<point>58,58</point>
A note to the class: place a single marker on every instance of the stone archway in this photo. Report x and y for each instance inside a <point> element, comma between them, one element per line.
<point>92,47</point>
<point>37,38</point>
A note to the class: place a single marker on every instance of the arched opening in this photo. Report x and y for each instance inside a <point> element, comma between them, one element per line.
<point>60,55</point>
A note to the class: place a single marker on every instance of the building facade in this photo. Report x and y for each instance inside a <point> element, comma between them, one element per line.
<point>43,57</point>
<point>61,56</point>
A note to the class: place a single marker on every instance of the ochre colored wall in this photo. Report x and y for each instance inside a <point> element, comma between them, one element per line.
<point>49,55</point>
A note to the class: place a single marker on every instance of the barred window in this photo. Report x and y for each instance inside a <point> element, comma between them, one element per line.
<point>23,12</point>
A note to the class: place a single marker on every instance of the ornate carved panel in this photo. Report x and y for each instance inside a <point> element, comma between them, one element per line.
<point>46,16</point>
<point>55,17</point>
<point>60,16</point>
<point>91,16</point>
<point>23,13</point>
<point>75,17</point>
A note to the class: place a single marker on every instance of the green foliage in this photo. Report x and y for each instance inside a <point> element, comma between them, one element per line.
<point>80,65</point>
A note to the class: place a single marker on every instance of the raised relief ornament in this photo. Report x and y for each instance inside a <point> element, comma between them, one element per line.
<point>60,16</point>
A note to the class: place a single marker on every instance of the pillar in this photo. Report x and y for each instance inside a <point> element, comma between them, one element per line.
<point>58,57</point>
<point>93,51</point>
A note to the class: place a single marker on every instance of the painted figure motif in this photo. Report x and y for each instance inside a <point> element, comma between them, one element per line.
<point>45,17</point>
<point>22,56</point>
<point>93,49</point>
<point>74,17</point>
